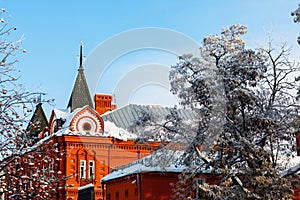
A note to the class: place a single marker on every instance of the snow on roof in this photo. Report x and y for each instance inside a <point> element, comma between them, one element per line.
<point>160,161</point>
<point>111,130</point>
<point>140,168</point>
<point>64,114</point>
<point>61,113</point>
<point>85,187</point>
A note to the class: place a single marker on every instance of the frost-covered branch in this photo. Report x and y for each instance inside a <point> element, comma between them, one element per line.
<point>291,171</point>
<point>21,175</point>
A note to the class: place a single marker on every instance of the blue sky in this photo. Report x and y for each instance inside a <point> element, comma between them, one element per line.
<point>54,29</point>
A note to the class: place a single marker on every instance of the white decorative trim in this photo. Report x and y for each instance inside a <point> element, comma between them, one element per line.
<point>87,123</point>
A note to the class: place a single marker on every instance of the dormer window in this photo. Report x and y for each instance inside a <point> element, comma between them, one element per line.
<point>57,124</point>
<point>54,127</point>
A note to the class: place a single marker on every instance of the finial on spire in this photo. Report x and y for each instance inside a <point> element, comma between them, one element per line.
<point>38,99</point>
<point>80,55</point>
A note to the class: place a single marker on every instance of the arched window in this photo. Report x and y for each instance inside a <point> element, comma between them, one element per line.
<point>86,164</point>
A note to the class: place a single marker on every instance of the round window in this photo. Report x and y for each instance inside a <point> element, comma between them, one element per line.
<point>86,126</point>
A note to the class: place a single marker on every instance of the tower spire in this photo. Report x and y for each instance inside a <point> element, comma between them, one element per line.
<point>80,55</point>
<point>80,95</point>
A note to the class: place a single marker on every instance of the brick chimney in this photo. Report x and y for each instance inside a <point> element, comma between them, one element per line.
<point>103,103</point>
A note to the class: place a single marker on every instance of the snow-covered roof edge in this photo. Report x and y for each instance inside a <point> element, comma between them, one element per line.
<point>140,168</point>
<point>151,163</point>
<point>85,187</point>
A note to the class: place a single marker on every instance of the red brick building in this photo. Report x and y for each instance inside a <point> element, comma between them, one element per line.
<point>92,138</point>
<point>88,151</point>
<point>142,181</point>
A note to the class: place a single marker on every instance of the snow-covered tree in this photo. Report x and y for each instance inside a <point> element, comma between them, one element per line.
<point>259,113</point>
<point>34,174</point>
<point>16,105</point>
<point>296,15</point>
<point>247,111</point>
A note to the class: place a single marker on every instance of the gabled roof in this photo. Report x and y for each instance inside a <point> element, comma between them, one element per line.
<point>80,95</point>
<point>124,117</point>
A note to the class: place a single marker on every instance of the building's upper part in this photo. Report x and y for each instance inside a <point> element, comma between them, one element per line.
<point>84,121</point>
<point>116,123</point>
<point>80,95</point>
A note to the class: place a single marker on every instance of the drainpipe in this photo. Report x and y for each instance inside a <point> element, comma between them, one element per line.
<point>108,157</point>
<point>102,185</point>
<point>139,183</point>
<point>139,154</point>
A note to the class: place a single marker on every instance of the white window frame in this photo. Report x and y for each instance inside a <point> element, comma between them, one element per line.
<point>82,169</point>
<point>92,169</point>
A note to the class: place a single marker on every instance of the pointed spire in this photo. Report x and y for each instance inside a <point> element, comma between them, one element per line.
<point>80,56</point>
<point>80,95</point>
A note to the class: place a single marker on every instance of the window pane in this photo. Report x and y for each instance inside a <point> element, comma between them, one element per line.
<point>82,168</point>
<point>91,169</point>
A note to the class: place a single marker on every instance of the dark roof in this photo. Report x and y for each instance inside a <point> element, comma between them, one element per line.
<point>38,122</point>
<point>80,95</point>
<point>125,117</point>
